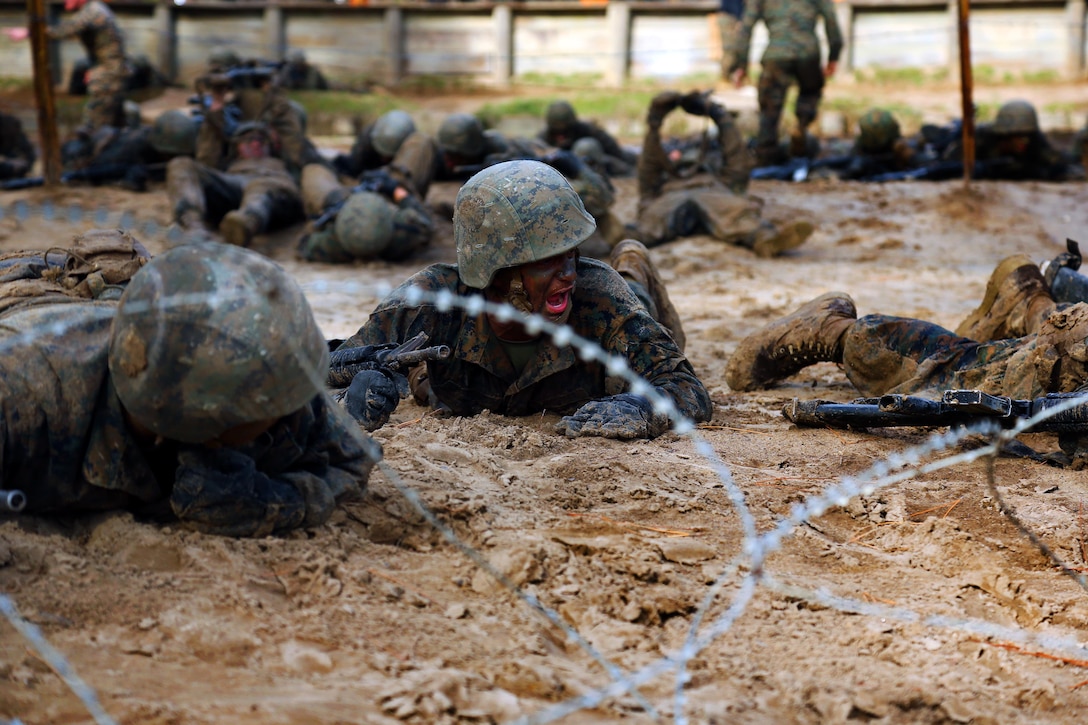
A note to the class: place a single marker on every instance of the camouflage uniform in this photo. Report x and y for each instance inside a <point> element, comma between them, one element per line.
<point>479,375</point>
<point>385,229</point>
<point>880,148</point>
<point>562,134</point>
<point>730,13</point>
<point>128,157</point>
<point>17,154</point>
<point>792,56</point>
<point>1039,160</point>
<point>299,75</point>
<point>266,190</point>
<point>705,193</point>
<point>97,29</point>
<point>69,444</point>
<point>885,354</point>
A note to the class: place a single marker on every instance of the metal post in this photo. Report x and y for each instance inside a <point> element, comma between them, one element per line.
<point>43,92</point>
<point>166,25</point>
<point>618,21</point>
<point>502,22</point>
<point>1075,18</point>
<point>274,36</point>
<point>394,34</point>
<point>844,13</point>
<point>966,90</point>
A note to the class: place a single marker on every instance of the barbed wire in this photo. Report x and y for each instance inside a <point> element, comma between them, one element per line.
<point>935,454</point>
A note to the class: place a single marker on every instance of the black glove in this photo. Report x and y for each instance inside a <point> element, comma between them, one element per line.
<point>220,491</point>
<point>373,396</point>
<point>7,169</point>
<point>696,103</point>
<point>623,416</point>
<point>565,162</point>
<point>380,182</point>
<point>661,105</point>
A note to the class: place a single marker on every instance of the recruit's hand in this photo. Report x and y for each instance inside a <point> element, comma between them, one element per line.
<point>17,34</point>
<point>373,396</point>
<point>740,76</point>
<point>623,416</point>
<point>830,68</point>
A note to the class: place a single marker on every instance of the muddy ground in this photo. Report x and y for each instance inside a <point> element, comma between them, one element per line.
<point>375,618</point>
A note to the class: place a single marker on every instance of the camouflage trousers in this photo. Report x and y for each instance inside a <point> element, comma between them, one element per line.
<point>105,96</point>
<point>699,205</point>
<point>727,29</point>
<point>884,354</point>
<point>774,83</point>
<point>273,199</point>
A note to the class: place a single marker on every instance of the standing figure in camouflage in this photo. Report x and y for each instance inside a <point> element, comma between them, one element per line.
<point>198,396</point>
<point>729,14</point>
<point>17,154</point>
<point>681,194</point>
<point>563,129</point>
<point>517,227</point>
<point>792,57</point>
<point>1018,343</point>
<point>96,27</point>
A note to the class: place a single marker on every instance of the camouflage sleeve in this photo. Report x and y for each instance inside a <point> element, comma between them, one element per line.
<point>85,18</point>
<point>282,118</point>
<point>228,492</point>
<point>834,33</point>
<point>609,145</point>
<point>412,229</point>
<point>753,12</point>
<point>653,164</point>
<point>737,161</point>
<point>211,140</point>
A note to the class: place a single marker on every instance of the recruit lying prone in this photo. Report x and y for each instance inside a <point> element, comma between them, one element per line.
<point>345,364</point>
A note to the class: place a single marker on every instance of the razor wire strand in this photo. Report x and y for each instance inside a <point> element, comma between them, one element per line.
<point>56,660</point>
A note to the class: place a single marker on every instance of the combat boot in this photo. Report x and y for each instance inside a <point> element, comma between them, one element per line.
<point>191,219</point>
<point>239,227</point>
<point>812,334</point>
<point>1016,302</point>
<point>771,241</point>
<point>632,260</point>
<point>799,144</point>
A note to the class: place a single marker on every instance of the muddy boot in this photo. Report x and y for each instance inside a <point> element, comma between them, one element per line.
<point>632,261</point>
<point>810,335</point>
<point>1016,302</point>
<point>799,144</point>
<point>239,227</point>
<point>771,241</point>
<point>191,219</point>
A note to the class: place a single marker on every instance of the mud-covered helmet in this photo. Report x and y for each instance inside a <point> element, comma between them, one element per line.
<point>223,58</point>
<point>560,115</point>
<point>210,336</point>
<point>588,149</point>
<point>364,225</point>
<point>461,134</point>
<point>390,130</point>
<point>174,134</point>
<point>878,131</point>
<point>1015,118</point>
<point>514,213</point>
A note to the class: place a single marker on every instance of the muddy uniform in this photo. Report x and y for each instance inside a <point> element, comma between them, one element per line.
<point>479,374</point>
<point>885,354</point>
<point>69,446</point>
<point>362,156</point>
<point>792,56</point>
<point>678,198</point>
<point>1039,160</point>
<point>125,156</point>
<point>266,190</point>
<point>97,29</point>
<point>901,156</point>
<point>617,160</point>
<point>17,154</point>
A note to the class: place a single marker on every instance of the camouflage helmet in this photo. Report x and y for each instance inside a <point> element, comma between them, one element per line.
<point>250,127</point>
<point>878,131</point>
<point>1015,118</point>
<point>390,130</point>
<point>174,134</point>
<point>560,114</point>
<point>461,134</point>
<point>223,58</point>
<point>514,213</point>
<point>210,336</point>
<point>296,58</point>
<point>588,149</point>
<point>364,225</point>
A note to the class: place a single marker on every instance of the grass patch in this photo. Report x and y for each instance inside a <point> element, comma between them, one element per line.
<point>600,105</point>
<point>348,104</point>
<point>13,85</point>
<point>1045,75</point>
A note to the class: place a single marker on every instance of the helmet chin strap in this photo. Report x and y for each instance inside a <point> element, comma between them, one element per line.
<point>518,297</point>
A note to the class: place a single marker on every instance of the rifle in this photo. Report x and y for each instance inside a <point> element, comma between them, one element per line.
<point>945,170</point>
<point>345,364</point>
<point>798,169</point>
<point>12,500</point>
<point>955,408</point>
<point>1061,275</point>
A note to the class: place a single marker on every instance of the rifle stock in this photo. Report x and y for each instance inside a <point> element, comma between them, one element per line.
<point>345,364</point>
